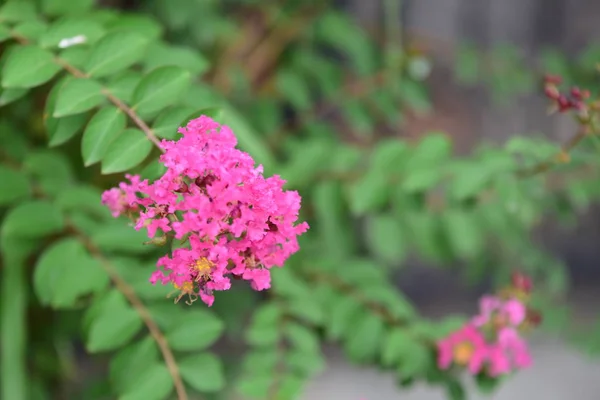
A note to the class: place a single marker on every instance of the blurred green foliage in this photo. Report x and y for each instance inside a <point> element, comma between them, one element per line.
<point>312,97</point>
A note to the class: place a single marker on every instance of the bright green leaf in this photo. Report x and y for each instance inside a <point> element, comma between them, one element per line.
<point>28,66</point>
<point>76,96</point>
<point>114,52</point>
<point>113,327</point>
<point>70,28</point>
<point>204,372</point>
<point>119,237</point>
<point>17,10</point>
<point>302,338</point>
<point>160,88</point>
<point>62,7</point>
<point>7,96</point>
<point>101,131</point>
<point>126,151</point>
<point>364,339</point>
<point>160,55</point>
<point>463,232</point>
<point>123,85</point>
<point>341,315</point>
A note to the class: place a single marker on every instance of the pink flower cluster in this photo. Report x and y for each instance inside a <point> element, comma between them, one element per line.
<point>233,221</point>
<point>490,341</point>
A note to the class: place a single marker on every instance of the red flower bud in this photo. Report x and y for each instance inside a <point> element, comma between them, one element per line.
<point>576,93</point>
<point>521,282</point>
<point>564,104</point>
<point>551,91</point>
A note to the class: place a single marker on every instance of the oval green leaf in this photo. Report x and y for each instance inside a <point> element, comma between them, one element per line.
<point>115,52</point>
<point>101,131</point>
<point>28,66</point>
<point>76,96</point>
<point>33,219</point>
<point>204,372</point>
<point>126,151</point>
<point>160,88</point>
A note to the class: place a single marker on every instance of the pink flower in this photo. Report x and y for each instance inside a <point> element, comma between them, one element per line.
<point>511,312</point>
<point>466,346</point>
<point>233,221</point>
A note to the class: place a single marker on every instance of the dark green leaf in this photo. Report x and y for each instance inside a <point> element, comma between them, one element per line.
<point>14,186</point>
<point>455,390</point>
<point>126,151</point>
<point>197,333</point>
<point>101,131</point>
<point>76,96</point>
<point>167,123</point>
<point>294,89</point>
<point>116,51</point>
<point>160,88</point>
<point>50,169</point>
<point>28,66</point>
<point>7,96</point>
<point>204,372</point>
<point>33,219</point>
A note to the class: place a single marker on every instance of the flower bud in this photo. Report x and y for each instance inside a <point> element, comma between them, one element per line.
<point>551,91</point>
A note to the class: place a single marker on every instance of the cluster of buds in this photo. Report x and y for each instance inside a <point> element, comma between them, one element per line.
<point>575,99</point>
<point>232,222</point>
<point>492,342</point>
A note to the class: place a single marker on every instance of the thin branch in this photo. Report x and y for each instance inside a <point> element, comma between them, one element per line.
<point>139,307</point>
<point>116,101</point>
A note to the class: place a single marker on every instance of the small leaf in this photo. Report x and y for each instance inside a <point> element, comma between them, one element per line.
<point>114,52</point>
<point>343,310</point>
<point>154,383</point>
<point>464,234</point>
<point>61,130</point>
<point>160,88</point>
<point>302,337</point>
<point>112,328</point>
<point>65,272</point>
<point>76,96</point>
<point>70,28</point>
<point>126,151</point>
<point>28,66</point>
<point>104,127</point>
<point>118,237</point>
<point>17,11</point>
<point>14,186</point>
<point>33,219</point>
<point>364,340</point>
<point>256,385</point>
<point>196,333</point>
<point>131,363</point>
<point>264,329</point>
<point>167,122</point>
<point>141,24</point>
<point>395,346</point>
<point>123,85</point>
<point>204,372</point>
<point>386,238</point>
<point>160,55</point>
<point>50,169</point>
<point>7,96</point>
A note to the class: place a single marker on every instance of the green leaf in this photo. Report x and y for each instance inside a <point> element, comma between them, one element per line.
<point>113,327</point>
<point>486,384</point>
<point>290,388</point>
<point>204,372</point>
<point>142,24</point>
<point>467,65</point>
<point>167,122</point>
<point>14,186</point>
<point>7,96</point>
<point>293,88</point>
<point>115,52</point>
<point>386,238</point>
<point>83,198</point>
<point>17,11</point>
<point>28,66</point>
<point>364,340</point>
<point>160,88</point>
<point>104,127</point>
<point>76,96</point>
<point>117,236</point>
<point>264,329</point>
<point>131,363</point>
<point>62,7</point>
<point>123,85</point>
<point>70,28</point>
<point>255,386</point>
<point>33,219</point>
<point>455,390</point>
<point>464,234</point>
<point>66,272</point>
<point>416,359</point>
<point>343,311</point>
<point>62,129</point>
<point>306,364</point>
<point>32,31</point>
<point>51,170</point>
<point>302,338</point>
<point>469,180</point>
<point>370,192</point>
<point>126,151</point>
<point>197,333</point>
<point>395,347</point>
<point>154,383</point>
<point>160,55</point>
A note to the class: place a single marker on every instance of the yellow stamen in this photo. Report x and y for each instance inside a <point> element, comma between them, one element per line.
<point>202,268</point>
<point>463,353</point>
<point>187,288</point>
